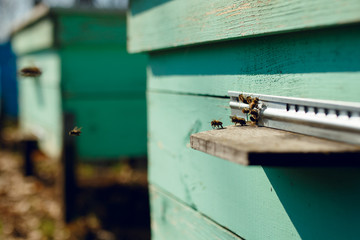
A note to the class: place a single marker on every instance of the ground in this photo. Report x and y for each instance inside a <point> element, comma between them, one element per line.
<point>106,208</point>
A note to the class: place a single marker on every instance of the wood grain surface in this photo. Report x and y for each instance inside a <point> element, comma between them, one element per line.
<point>319,64</point>
<point>172,219</point>
<point>165,24</point>
<point>252,145</point>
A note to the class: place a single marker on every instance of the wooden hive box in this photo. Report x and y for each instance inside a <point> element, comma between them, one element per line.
<point>198,51</point>
<point>88,76</point>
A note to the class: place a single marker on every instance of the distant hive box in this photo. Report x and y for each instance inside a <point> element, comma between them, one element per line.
<point>86,72</point>
<point>200,50</point>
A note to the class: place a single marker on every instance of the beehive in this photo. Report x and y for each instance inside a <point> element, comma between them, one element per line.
<point>87,74</point>
<point>200,50</point>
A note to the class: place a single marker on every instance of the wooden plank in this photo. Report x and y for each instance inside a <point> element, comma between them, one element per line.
<point>28,146</point>
<point>34,38</point>
<point>38,12</point>
<point>40,102</point>
<point>165,24</point>
<point>102,70</point>
<point>67,174</point>
<point>252,145</point>
<point>82,28</point>
<point>254,202</point>
<point>172,219</point>
<point>111,127</point>
<point>64,27</point>
<point>313,64</point>
<point>40,114</point>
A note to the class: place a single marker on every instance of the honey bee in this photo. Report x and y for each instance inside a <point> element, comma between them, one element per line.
<point>30,72</point>
<point>253,119</point>
<point>75,132</point>
<point>254,103</point>
<point>254,113</point>
<point>216,124</point>
<point>245,110</point>
<point>238,120</point>
<point>242,98</point>
<point>248,100</point>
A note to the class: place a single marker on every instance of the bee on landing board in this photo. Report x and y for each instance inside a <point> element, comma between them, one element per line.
<point>256,100</point>
<point>216,124</point>
<point>242,98</point>
<point>235,120</point>
<point>249,100</point>
<point>253,119</point>
<point>30,72</point>
<point>254,113</point>
<point>254,103</point>
<point>245,110</point>
<point>75,132</point>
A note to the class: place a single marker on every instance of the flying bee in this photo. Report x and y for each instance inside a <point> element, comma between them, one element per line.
<point>254,113</point>
<point>238,120</point>
<point>245,110</point>
<point>242,98</point>
<point>216,124</point>
<point>248,99</point>
<point>75,132</point>
<point>30,72</point>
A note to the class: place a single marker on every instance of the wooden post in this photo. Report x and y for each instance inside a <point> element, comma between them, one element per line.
<point>68,163</point>
<point>28,147</point>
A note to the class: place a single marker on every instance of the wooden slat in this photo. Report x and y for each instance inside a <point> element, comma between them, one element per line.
<point>252,145</point>
<point>39,12</point>
<point>40,101</point>
<point>48,28</point>
<point>102,70</point>
<point>163,24</point>
<point>319,64</point>
<point>112,127</point>
<point>82,28</point>
<point>34,38</point>
<point>172,219</point>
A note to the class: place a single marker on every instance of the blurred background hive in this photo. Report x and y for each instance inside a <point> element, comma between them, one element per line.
<point>86,72</point>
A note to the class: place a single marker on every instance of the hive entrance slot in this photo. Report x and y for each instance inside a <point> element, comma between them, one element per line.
<point>333,120</point>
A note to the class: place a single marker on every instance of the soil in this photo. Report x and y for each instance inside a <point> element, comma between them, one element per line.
<point>111,201</point>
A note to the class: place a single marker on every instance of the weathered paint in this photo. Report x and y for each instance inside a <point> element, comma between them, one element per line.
<point>172,219</point>
<point>164,24</point>
<point>322,64</point>
<point>40,101</point>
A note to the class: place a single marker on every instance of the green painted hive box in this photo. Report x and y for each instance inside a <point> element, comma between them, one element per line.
<point>87,73</point>
<point>198,51</point>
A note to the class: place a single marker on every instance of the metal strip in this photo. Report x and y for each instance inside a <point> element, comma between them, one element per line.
<point>334,120</point>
